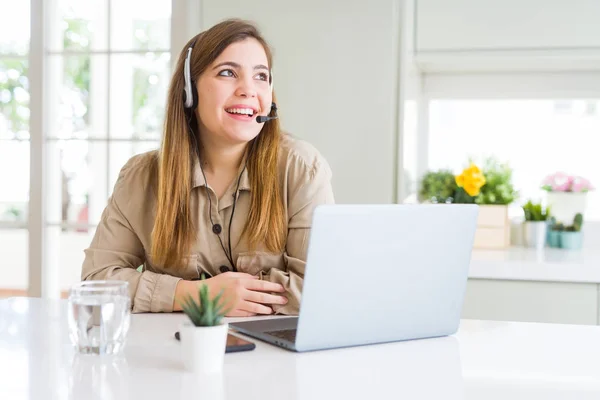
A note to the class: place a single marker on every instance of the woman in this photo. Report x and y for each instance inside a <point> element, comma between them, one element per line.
<point>227,195</point>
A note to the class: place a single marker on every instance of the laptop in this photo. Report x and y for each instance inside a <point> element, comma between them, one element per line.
<point>377,274</point>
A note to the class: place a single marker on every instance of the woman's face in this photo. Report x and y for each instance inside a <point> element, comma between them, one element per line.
<point>232,91</point>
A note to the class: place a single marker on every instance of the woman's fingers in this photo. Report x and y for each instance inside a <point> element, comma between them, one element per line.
<point>255,308</point>
<point>247,294</point>
<point>264,298</point>
<point>264,286</point>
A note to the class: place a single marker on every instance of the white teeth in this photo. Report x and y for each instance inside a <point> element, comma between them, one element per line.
<point>245,111</point>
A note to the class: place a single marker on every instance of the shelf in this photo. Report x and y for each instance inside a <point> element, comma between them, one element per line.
<point>550,265</point>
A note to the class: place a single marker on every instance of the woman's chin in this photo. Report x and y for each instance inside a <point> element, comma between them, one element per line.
<point>240,136</point>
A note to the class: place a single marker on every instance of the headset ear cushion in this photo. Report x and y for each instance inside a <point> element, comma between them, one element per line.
<point>194,96</point>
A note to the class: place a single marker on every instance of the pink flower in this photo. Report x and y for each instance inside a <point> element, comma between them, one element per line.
<point>581,184</point>
<point>562,182</point>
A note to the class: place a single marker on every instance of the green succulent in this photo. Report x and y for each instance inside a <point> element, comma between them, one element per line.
<point>206,312</point>
<point>577,224</point>
<point>535,212</point>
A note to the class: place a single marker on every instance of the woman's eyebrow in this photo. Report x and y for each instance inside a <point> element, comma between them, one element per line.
<point>238,66</point>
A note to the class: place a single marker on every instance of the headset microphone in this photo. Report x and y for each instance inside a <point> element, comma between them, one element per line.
<point>264,118</point>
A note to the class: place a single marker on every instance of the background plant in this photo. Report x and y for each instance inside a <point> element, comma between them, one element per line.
<point>490,185</point>
<point>438,186</point>
<point>562,182</point>
<point>498,188</point>
<point>535,212</point>
<point>577,224</point>
<point>575,227</point>
<point>471,179</point>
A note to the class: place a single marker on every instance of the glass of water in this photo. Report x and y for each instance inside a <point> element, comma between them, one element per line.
<point>99,316</point>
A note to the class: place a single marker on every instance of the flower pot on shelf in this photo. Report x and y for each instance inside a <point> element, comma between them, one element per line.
<point>493,227</point>
<point>203,347</point>
<point>553,238</point>
<point>565,205</point>
<point>535,234</point>
<point>571,240</point>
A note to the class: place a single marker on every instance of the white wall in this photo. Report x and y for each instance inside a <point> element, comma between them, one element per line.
<point>493,35</point>
<point>337,73</point>
<point>470,25</point>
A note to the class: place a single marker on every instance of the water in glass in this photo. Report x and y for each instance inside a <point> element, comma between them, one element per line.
<point>99,316</point>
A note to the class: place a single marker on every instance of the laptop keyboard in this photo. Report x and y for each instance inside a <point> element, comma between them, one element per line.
<point>285,334</point>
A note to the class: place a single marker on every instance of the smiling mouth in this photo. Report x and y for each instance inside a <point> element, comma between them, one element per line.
<point>245,113</point>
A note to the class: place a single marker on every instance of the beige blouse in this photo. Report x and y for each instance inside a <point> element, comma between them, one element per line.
<point>123,237</point>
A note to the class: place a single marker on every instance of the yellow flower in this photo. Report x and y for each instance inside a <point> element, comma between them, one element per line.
<point>471,180</point>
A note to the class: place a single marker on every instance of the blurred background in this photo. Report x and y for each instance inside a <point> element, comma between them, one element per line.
<point>387,90</point>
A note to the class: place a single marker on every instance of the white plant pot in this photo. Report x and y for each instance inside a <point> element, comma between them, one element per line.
<point>203,348</point>
<point>534,234</point>
<point>565,205</point>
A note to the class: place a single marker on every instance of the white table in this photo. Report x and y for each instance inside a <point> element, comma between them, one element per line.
<point>485,360</point>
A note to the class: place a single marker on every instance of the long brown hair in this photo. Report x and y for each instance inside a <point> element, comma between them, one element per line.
<point>174,230</point>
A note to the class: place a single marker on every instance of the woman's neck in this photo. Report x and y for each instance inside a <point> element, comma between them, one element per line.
<point>222,159</point>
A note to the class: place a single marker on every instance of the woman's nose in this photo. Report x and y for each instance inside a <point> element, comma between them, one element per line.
<point>246,89</point>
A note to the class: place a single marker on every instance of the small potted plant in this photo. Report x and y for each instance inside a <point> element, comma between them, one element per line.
<point>553,236</point>
<point>204,336</point>
<point>571,237</point>
<point>566,194</point>
<point>535,225</point>
<point>492,189</point>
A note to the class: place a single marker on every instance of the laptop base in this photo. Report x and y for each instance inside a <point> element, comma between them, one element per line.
<point>277,331</point>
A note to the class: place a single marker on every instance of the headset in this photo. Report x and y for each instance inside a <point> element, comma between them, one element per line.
<point>190,103</point>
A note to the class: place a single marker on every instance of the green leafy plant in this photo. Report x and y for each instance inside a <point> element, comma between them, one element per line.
<point>442,186</point>
<point>556,226</point>
<point>577,224</point>
<point>438,186</point>
<point>535,212</point>
<point>498,188</point>
<point>462,197</point>
<point>205,312</point>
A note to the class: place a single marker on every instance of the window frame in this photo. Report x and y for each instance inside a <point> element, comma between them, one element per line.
<point>43,267</point>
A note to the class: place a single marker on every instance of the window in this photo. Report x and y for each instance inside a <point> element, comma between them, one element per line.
<point>535,136</point>
<point>14,111</point>
<point>14,144</point>
<point>107,69</point>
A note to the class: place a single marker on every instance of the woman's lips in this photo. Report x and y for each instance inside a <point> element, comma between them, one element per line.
<point>241,117</point>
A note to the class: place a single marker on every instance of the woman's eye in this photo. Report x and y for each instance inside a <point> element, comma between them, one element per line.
<point>263,77</point>
<point>226,72</point>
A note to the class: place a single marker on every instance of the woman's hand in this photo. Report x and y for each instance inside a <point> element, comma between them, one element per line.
<point>244,295</point>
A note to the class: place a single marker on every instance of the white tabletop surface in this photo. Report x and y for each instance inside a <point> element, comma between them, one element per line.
<point>484,360</point>
<point>549,265</point>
